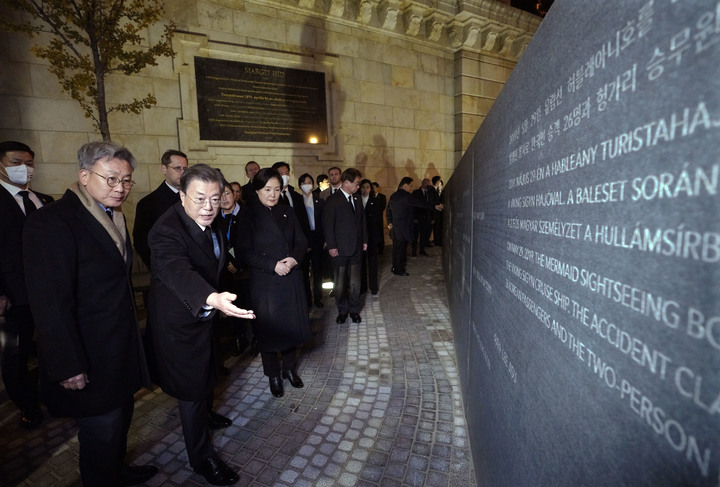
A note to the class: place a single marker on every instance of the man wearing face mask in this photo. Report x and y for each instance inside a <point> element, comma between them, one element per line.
<point>17,201</point>
<point>288,196</point>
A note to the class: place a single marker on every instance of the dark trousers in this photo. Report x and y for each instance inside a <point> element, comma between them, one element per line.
<point>369,277</point>
<point>103,442</point>
<point>275,363</point>
<point>399,256</point>
<point>421,233</point>
<point>194,418</point>
<point>17,336</point>
<point>347,283</point>
<point>438,228</point>
<point>313,268</point>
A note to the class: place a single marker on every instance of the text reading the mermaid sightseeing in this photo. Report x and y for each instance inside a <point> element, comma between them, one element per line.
<point>609,213</point>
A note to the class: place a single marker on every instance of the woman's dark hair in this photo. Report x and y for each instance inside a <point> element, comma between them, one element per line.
<point>304,177</point>
<point>263,176</point>
<point>364,181</point>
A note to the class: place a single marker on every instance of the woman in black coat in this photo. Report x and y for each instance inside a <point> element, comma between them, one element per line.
<point>270,241</point>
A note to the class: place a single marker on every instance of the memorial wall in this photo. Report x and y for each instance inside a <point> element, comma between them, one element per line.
<point>583,264</point>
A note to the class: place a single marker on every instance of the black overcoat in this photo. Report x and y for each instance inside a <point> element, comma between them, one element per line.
<point>83,305</point>
<point>400,212</point>
<point>266,236</point>
<point>185,272</point>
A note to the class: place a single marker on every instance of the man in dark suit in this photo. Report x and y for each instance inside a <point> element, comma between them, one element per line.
<point>78,262</point>
<point>173,163</point>
<point>346,239</point>
<point>313,205</point>
<point>399,216</point>
<point>248,193</point>
<point>423,217</point>
<point>374,208</point>
<point>188,255</point>
<point>334,176</point>
<point>437,230</point>
<point>17,201</point>
<point>382,202</point>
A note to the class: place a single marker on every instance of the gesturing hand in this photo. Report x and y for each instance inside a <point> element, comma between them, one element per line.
<point>224,302</point>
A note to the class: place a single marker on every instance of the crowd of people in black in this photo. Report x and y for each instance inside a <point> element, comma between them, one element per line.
<point>254,255</point>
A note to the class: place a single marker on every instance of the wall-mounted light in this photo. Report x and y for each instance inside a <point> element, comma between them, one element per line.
<point>313,139</point>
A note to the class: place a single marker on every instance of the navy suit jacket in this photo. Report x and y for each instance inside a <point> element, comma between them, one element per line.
<point>399,213</point>
<point>344,230</point>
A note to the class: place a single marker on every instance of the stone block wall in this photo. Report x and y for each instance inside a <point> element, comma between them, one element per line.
<point>408,83</point>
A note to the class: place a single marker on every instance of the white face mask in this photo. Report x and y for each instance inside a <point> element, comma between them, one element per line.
<point>306,188</point>
<point>286,180</point>
<point>19,174</point>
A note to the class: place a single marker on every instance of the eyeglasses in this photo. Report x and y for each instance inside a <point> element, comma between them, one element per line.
<point>201,202</point>
<point>227,193</point>
<point>178,169</point>
<point>112,181</point>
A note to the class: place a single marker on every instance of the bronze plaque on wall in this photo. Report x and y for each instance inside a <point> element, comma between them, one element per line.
<point>257,103</point>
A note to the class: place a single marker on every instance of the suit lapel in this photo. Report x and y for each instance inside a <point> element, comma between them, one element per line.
<point>9,201</point>
<point>106,243</point>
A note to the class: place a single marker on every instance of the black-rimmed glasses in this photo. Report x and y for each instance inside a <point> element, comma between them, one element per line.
<point>112,181</point>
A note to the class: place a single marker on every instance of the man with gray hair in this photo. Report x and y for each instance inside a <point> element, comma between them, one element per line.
<point>78,260</point>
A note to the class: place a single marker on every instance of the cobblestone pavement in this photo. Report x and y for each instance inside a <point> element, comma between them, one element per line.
<point>381,407</point>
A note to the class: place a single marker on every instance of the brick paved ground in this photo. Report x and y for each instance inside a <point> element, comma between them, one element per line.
<point>381,407</point>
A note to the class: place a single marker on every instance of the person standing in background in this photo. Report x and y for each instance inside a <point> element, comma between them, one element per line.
<point>313,205</point>
<point>17,202</point>
<point>382,203</point>
<point>173,163</point>
<point>334,175</point>
<point>399,216</point>
<point>346,239</point>
<point>248,194</point>
<point>374,220</point>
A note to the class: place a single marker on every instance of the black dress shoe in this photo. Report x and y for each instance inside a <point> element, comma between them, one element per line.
<point>294,379</point>
<point>137,474</point>
<point>276,387</point>
<point>423,253</point>
<point>318,304</point>
<point>403,273</point>
<point>341,318</point>
<point>355,317</point>
<point>216,472</point>
<point>217,421</point>
<point>31,418</point>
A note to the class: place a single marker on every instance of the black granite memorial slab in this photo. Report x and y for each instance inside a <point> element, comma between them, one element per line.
<point>251,102</point>
<point>594,354</point>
